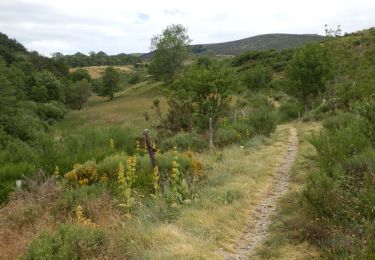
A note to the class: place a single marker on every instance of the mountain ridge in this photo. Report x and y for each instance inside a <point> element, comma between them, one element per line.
<point>277,41</point>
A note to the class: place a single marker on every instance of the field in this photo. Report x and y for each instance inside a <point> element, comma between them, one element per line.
<point>96,72</point>
<point>126,109</point>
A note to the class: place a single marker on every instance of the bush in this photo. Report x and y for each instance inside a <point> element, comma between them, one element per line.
<point>226,136</point>
<point>184,141</point>
<point>342,119</point>
<point>340,195</point>
<point>263,120</point>
<point>69,242</point>
<point>84,174</point>
<point>51,110</point>
<point>290,110</point>
<point>256,78</point>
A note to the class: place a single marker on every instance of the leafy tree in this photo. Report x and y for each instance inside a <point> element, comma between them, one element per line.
<point>77,94</point>
<point>110,82</point>
<point>256,78</point>
<point>7,98</point>
<point>39,93</point>
<point>307,71</point>
<point>170,51</point>
<point>45,80</point>
<point>80,74</point>
<point>202,91</point>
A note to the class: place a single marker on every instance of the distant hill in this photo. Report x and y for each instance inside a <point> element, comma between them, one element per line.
<point>277,41</point>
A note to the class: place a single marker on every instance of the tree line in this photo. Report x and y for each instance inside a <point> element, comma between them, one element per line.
<point>96,59</point>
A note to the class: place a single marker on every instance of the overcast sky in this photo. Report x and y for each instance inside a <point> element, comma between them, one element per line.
<point>69,26</point>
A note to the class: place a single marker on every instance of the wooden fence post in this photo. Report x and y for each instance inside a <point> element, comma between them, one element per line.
<point>150,149</point>
<point>211,135</point>
<point>235,116</point>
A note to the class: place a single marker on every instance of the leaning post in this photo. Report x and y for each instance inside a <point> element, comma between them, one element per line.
<point>211,135</point>
<point>150,149</point>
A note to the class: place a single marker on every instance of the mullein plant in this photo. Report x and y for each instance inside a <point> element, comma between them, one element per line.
<point>155,179</point>
<point>81,218</point>
<point>125,181</point>
<point>56,173</point>
<point>111,144</point>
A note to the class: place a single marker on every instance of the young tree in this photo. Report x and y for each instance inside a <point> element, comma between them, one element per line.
<point>77,94</point>
<point>110,82</point>
<point>204,90</point>
<point>307,72</point>
<point>170,51</point>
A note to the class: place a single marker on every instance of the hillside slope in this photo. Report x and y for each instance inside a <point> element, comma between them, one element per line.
<point>277,41</point>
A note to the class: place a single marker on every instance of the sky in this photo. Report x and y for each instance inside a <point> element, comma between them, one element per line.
<point>70,26</point>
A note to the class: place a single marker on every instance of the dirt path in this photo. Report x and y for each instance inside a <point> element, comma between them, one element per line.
<point>259,219</point>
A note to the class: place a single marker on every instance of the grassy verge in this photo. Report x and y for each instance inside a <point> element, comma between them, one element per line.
<point>284,239</point>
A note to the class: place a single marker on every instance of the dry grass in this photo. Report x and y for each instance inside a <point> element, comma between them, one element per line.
<point>38,208</point>
<point>236,177</point>
<point>96,72</point>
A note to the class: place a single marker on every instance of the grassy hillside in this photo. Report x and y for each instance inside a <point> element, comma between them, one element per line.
<point>277,41</point>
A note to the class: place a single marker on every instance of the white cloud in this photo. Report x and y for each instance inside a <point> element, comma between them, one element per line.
<point>126,26</point>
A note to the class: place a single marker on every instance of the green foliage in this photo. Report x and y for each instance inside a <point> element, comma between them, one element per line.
<point>225,136</point>
<point>96,59</point>
<point>263,117</point>
<point>308,71</point>
<point>290,109</point>
<point>203,90</point>
<point>68,242</point>
<point>170,51</point>
<point>77,94</point>
<point>184,141</point>
<point>110,81</point>
<point>51,110</point>
<point>256,78</point>
<point>47,87</point>
<point>80,74</point>
<point>340,195</point>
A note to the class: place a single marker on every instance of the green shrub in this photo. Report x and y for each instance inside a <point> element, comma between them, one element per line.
<point>184,141</point>
<point>255,141</point>
<point>340,196</point>
<point>109,165</point>
<point>69,242</point>
<point>52,110</point>
<point>225,136</point>
<point>263,120</point>
<point>14,171</point>
<point>290,110</point>
<point>336,122</point>
<point>71,197</point>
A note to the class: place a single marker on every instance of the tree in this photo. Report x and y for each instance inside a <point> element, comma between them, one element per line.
<point>80,74</point>
<point>170,51</point>
<point>202,91</point>
<point>77,94</point>
<point>110,82</point>
<point>45,80</point>
<point>307,73</point>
